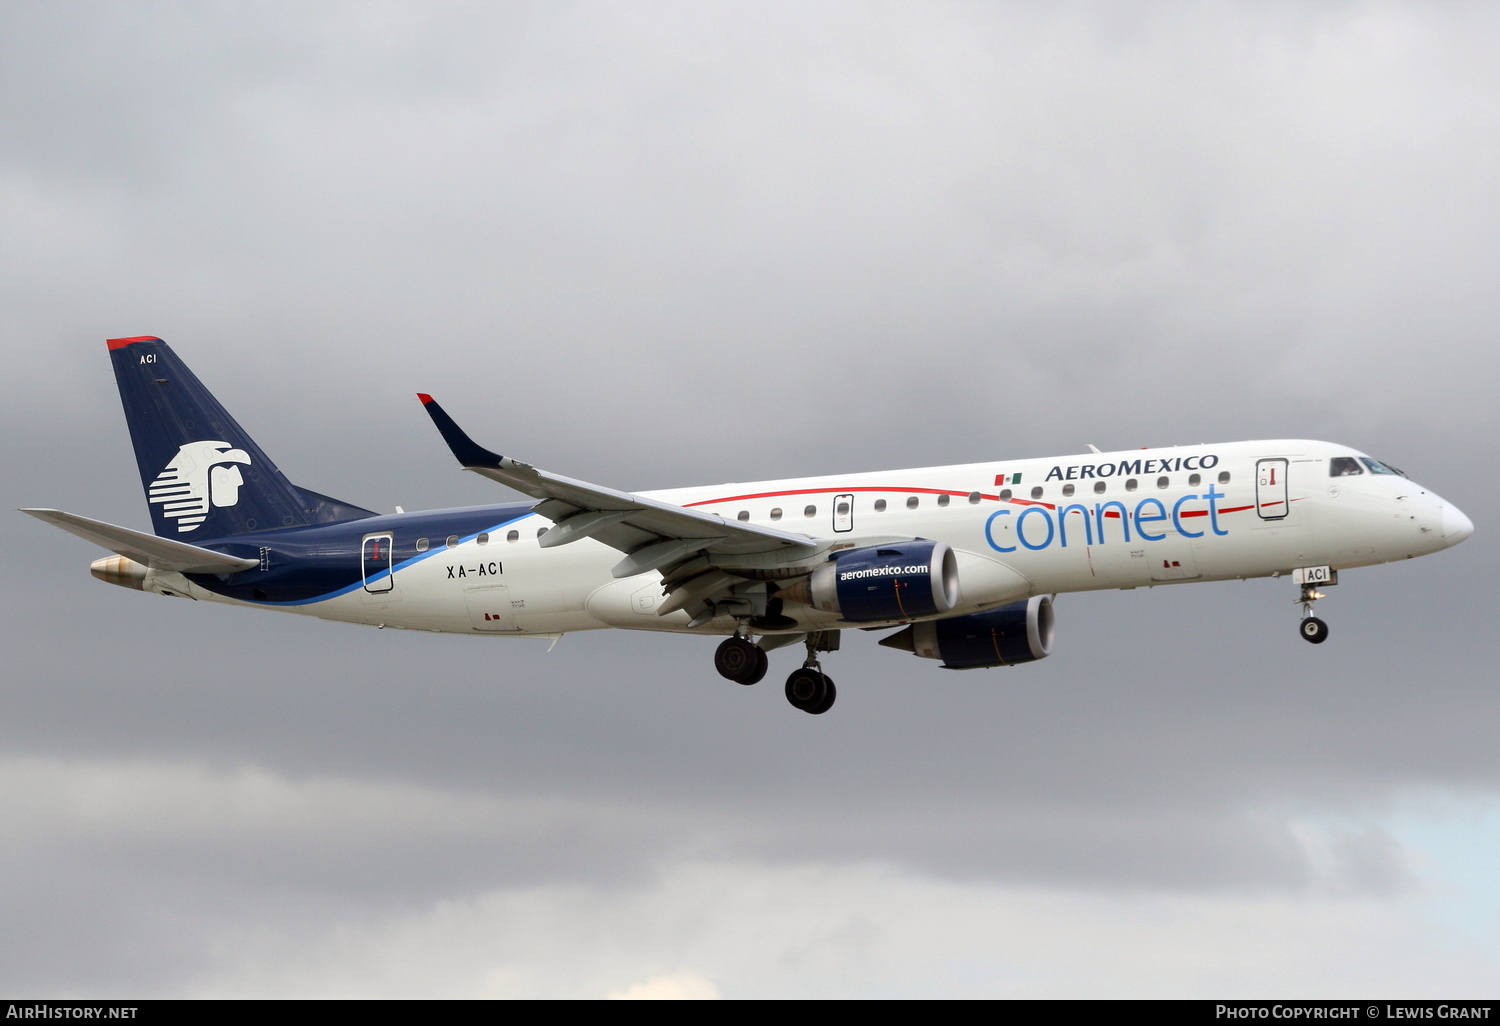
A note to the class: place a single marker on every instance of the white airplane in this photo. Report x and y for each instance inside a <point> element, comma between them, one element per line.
<point>966,560</point>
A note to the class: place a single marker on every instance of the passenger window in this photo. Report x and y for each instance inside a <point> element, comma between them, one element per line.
<point>541,531</point>
<point>911,502</point>
<point>1344,466</point>
<point>421,544</point>
<point>1194,479</point>
<point>1005,494</point>
<point>743,515</point>
<point>973,497</point>
<point>1131,484</point>
<point>943,500</point>
<point>843,509</point>
<point>1162,482</point>
<point>452,541</point>
<point>1036,493</point>
<point>511,536</point>
<point>810,511</point>
<point>1098,487</point>
<point>776,513</point>
<point>1067,491</point>
<point>1223,477</point>
<point>483,538</point>
<point>879,505</point>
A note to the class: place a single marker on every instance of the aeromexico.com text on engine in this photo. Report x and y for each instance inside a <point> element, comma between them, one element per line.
<point>882,571</point>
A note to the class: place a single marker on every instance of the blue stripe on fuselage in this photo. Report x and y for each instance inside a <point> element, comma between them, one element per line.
<point>304,565</point>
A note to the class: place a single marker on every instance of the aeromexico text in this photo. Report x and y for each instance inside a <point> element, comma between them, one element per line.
<point>1124,468</point>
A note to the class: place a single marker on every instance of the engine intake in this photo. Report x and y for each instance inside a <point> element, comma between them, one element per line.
<point>898,581</point>
<point>1018,633</point>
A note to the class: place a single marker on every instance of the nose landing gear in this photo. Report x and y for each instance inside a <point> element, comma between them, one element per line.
<point>1311,628</point>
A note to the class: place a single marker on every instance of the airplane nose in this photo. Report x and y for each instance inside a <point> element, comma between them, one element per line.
<point>1456,526</point>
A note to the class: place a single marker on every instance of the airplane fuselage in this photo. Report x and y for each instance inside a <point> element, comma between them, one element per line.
<point>968,558</point>
<point>1086,522</point>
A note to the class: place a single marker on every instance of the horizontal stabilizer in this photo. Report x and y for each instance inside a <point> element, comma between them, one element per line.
<point>146,549</point>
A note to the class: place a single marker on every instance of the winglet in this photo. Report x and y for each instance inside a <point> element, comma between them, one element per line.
<point>469,452</point>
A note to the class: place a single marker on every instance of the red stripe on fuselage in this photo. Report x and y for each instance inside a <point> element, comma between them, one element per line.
<point>838,491</point>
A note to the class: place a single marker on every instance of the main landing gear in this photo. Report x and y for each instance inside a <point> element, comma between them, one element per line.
<point>811,690</point>
<point>741,660</point>
<point>808,688</point>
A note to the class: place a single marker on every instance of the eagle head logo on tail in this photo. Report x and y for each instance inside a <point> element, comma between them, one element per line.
<point>199,477</point>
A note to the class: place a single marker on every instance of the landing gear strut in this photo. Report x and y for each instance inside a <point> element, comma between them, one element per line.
<point>741,660</point>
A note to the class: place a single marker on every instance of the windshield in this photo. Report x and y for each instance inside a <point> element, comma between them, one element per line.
<point>1376,467</point>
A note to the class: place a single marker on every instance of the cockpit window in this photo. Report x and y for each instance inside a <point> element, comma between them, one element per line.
<point>1344,466</point>
<point>1376,467</point>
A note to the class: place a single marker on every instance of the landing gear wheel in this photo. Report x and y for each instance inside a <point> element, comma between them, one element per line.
<point>828,699</point>
<point>740,660</point>
<point>762,664</point>
<point>809,690</point>
<point>1314,630</point>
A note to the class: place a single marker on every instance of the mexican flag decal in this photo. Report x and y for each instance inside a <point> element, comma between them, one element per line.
<point>1005,479</point>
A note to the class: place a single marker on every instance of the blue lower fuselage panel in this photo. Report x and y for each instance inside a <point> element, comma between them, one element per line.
<point>301,565</point>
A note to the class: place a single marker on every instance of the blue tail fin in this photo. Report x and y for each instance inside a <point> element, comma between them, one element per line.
<point>204,476</point>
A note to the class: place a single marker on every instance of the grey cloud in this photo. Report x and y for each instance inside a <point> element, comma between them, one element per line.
<point>671,244</point>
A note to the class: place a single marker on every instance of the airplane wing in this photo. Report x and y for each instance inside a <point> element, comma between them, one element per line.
<point>619,519</point>
<point>146,549</point>
<point>687,545</point>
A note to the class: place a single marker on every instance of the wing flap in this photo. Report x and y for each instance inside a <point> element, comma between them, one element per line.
<point>702,588</point>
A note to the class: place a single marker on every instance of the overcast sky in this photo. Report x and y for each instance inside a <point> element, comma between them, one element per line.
<point>655,244</point>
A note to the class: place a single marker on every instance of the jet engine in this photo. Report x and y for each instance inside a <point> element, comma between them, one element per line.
<point>896,581</point>
<point>1018,633</point>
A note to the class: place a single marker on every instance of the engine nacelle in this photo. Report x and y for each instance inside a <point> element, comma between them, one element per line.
<point>896,581</point>
<point>1018,633</point>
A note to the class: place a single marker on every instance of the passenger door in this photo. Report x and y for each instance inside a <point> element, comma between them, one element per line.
<point>1270,489</point>
<point>375,561</point>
